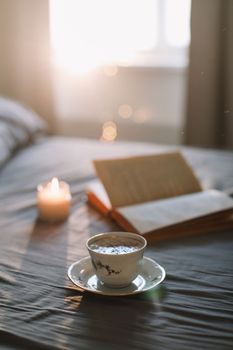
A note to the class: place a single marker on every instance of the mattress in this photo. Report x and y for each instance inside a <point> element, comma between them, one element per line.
<point>41,309</point>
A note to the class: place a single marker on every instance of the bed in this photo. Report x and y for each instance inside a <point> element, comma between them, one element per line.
<point>41,309</point>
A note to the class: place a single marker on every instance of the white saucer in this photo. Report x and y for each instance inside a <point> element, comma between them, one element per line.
<point>81,273</point>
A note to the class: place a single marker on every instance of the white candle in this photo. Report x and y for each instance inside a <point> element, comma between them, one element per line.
<point>53,200</point>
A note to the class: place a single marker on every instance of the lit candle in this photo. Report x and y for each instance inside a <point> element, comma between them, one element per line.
<point>53,200</point>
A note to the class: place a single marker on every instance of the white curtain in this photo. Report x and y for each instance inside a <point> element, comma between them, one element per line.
<point>210,91</point>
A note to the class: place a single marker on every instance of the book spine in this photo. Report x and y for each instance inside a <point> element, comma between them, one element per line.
<point>123,222</point>
<point>97,204</point>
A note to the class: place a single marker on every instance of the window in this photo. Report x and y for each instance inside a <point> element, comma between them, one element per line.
<point>89,33</point>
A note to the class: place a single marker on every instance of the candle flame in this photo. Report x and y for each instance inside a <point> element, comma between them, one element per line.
<point>55,185</point>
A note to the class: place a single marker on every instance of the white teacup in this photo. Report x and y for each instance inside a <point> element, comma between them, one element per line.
<point>116,257</point>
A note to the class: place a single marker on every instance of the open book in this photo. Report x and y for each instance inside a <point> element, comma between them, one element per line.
<point>158,196</point>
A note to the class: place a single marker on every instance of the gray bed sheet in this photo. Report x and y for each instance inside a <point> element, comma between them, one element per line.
<point>41,309</point>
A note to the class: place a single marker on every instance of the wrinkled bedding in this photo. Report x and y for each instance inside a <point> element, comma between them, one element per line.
<point>41,309</point>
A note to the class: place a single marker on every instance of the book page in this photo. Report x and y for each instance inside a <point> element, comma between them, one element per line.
<point>141,179</point>
<point>150,216</point>
<point>96,192</point>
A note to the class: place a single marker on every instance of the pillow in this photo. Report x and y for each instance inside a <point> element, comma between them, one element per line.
<point>19,126</point>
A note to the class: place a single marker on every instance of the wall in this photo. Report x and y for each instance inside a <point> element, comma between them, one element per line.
<point>157,96</point>
<point>210,88</point>
<point>25,54</point>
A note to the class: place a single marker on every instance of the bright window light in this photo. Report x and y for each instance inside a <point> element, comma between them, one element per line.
<point>177,17</point>
<point>89,33</point>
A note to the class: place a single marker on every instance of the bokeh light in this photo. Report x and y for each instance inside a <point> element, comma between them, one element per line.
<point>110,70</point>
<point>109,131</point>
<point>125,111</point>
<point>142,115</point>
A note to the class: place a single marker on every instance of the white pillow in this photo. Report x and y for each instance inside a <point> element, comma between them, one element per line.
<point>19,127</point>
